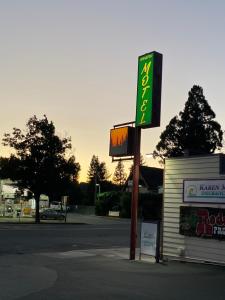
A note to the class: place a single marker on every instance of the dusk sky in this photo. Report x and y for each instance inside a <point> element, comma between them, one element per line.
<point>76,62</point>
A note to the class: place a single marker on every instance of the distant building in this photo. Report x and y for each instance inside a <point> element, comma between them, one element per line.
<point>150,181</point>
<point>7,189</point>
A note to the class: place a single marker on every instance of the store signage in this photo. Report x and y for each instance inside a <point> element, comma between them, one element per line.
<point>204,191</point>
<point>121,141</point>
<point>149,90</point>
<point>203,222</point>
<point>149,238</point>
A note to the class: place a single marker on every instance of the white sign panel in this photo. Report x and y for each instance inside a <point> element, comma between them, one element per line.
<point>204,191</point>
<point>148,238</point>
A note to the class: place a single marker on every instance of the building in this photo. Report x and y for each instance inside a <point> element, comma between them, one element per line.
<point>194,209</point>
<point>150,181</point>
<point>11,201</point>
<point>150,192</point>
<point>7,189</point>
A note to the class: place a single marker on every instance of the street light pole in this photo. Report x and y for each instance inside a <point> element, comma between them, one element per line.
<point>98,185</point>
<point>134,203</point>
<point>95,191</point>
<point>4,204</point>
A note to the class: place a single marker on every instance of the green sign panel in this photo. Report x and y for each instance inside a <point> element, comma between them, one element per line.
<point>149,90</point>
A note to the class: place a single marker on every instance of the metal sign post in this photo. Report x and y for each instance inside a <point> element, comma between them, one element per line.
<point>134,203</point>
<point>148,107</point>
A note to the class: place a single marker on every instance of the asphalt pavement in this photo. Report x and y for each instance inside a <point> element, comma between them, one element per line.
<point>105,275</point>
<point>91,261</point>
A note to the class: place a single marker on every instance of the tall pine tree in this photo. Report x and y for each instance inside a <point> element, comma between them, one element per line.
<point>195,131</point>
<point>97,175</point>
<point>97,170</point>
<point>119,176</point>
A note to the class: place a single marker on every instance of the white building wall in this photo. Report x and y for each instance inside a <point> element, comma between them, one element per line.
<point>174,244</point>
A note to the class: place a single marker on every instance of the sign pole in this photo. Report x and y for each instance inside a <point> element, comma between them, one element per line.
<point>134,203</point>
<point>148,109</point>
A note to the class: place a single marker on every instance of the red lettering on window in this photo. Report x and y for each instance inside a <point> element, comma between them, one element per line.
<point>204,228</point>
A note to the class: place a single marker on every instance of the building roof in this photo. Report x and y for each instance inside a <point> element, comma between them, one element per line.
<point>151,178</point>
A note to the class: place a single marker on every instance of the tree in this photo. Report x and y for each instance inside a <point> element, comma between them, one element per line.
<point>97,175</point>
<point>97,170</point>
<point>119,176</point>
<point>74,193</point>
<point>39,160</point>
<point>195,131</point>
<point>142,163</point>
<point>142,160</point>
<point>8,167</point>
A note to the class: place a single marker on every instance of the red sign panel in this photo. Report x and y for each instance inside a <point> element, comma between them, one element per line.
<point>206,222</point>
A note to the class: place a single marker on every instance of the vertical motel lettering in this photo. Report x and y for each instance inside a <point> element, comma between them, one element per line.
<point>145,86</point>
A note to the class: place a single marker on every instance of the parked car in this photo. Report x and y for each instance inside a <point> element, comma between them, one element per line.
<point>52,214</point>
<point>56,205</point>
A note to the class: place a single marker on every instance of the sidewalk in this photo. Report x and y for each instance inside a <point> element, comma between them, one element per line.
<point>72,218</point>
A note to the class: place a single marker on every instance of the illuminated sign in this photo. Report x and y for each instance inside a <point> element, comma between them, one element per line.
<point>149,90</point>
<point>205,222</point>
<point>121,141</point>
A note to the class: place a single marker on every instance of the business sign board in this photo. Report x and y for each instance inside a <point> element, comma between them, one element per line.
<point>205,222</point>
<point>204,191</point>
<point>122,141</point>
<point>149,83</point>
<point>149,238</point>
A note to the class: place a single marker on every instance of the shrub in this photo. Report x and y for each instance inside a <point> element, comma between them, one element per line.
<point>125,205</point>
<point>151,206</point>
<point>105,202</point>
